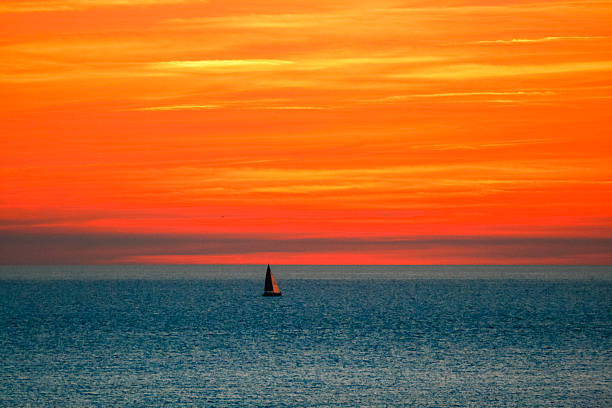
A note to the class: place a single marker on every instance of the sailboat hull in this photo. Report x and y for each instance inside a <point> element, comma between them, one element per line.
<point>272,294</point>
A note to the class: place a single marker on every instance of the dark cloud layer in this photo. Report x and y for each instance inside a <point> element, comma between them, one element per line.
<point>70,247</point>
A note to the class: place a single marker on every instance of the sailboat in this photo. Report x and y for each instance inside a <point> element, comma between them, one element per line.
<point>271,288</point>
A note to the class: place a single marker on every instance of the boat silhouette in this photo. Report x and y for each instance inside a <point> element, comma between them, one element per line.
<point>271,287</point>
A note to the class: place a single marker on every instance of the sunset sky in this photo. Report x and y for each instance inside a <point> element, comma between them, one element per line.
<point>315,132</point>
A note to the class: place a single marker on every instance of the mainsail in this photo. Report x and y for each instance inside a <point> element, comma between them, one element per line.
<point>271,287</point>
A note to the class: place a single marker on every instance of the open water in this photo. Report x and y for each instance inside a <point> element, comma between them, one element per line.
<point>339,336</point>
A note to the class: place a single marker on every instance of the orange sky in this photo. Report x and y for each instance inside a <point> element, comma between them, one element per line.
<point>337,132</point>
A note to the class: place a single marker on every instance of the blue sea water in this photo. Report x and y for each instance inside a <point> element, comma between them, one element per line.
<point>339,336</point>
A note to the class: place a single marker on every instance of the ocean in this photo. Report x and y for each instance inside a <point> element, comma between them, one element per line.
<point>344,336</point>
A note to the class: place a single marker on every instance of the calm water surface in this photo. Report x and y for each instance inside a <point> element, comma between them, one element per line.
<point>339,336</point>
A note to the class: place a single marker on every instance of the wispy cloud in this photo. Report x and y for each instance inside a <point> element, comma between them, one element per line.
<point>331,62</point>
<point>390,176</point>
<point>177,107</point>
<point>69,5</point>
<point>394,98</point>
<point>538,40</point>
<point>290,107</point>
<point>309,189</point>
<point>477,146</point>
<point>264,21</point>
<point>472,71</point>
<point>11,72</point>
<point>313,63</point>
<point>252,105</point>
<point>248,64</point>
<point>483,93</point>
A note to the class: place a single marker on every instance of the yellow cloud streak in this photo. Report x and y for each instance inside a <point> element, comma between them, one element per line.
<point>444,186</point>
<point>71,5</point>
<point>438,71</point>
<point>478,146</point>
<point>218,64</point>
<point>473,71</point>
<point>313,188</point>
<point>538,40</point>
<point>348,16</point>
<point>395,182</point>
<point>484,9</point>
<point>272,21</point>
<point>316,175</point>
<point>362,187</point>
<point>177,107</point>
<point>394,98</point>
<point>323,62</point>
<point>89,48</point>
<point>289,107</point>
<point>233,105</point>
<point>304,64</point>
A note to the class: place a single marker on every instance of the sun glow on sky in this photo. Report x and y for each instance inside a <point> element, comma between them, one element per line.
<point>334,132</point>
